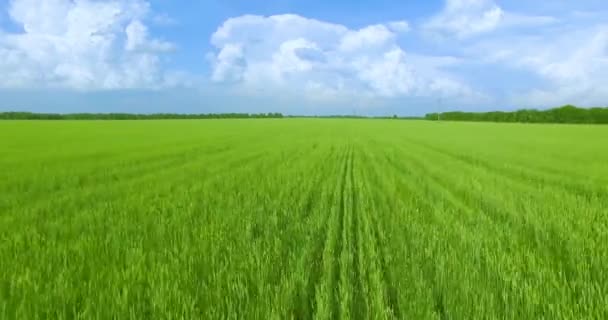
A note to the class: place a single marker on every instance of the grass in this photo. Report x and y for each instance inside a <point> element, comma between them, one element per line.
<point>302,218</point>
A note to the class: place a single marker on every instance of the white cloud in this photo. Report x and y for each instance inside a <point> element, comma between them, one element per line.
<point>368,38</point>
<point>229,64</point>
<point>81,44</point>
<point>574,63</point>
<point>468,18</point>
<point>290,53</point>
<point>399,26</point>
<point>465,18</point>
<point>138,39</point>
<point>571,64</point>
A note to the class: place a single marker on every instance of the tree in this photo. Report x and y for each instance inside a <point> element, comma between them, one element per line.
<point>564,114</point>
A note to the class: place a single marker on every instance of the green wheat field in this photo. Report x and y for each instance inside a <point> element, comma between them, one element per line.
<point>302,219</point>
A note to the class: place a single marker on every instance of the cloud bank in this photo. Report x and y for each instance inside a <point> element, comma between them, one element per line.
<point>83,45</point>
<point>294,53</point>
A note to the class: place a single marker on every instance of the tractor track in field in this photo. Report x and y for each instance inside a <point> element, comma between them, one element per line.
<point>551,178</point>
<point>359,306</point>
<point>304,304</point>
<point>343,296</point>
<point>457,197</point>
<point>342,238</point>
<point>325,288</point>
<point>438,300</point>
<point>132,177</point>
<point>390,290</point>
<point>372,255</point>
<point>317,263</point>
<point>358,280</point>
<point>93,178</point>
<point>349,280</point>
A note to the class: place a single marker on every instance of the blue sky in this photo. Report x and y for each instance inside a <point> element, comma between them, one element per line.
<point>301,57</point>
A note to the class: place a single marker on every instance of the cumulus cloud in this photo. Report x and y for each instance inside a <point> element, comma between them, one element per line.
<point>138,39</point>
<point>399,26</point>
<point>293,53</point>
<point>468,18</point>
<point>82,44</point>
<point>569,65</point>
<point>465,18</point>
<point>574,63</point>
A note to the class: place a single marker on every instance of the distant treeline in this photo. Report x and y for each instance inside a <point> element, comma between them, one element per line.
<point>359,117</point>
<point>565,114</point>
<point>156,116</point>
<point>130,116</point>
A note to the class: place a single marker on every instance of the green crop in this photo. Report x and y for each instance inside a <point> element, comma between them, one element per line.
<point>302,218</point>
